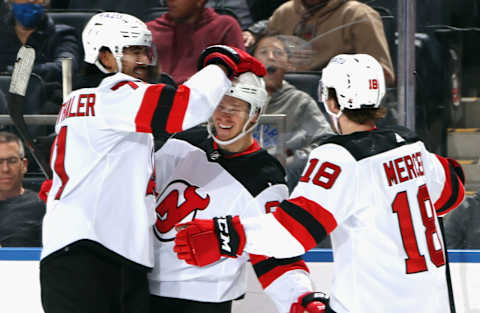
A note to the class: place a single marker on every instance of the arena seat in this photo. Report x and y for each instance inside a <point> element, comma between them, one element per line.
<point>153,13</point>
<point>72,17</point>
<point>4,82</point>
<point>305,81</point>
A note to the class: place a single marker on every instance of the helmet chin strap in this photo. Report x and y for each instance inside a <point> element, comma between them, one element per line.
<point>335,118</point>
<point>210,127</point>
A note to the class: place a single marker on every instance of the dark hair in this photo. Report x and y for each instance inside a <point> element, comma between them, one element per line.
<point>359,116</point>
<point>6,137</point>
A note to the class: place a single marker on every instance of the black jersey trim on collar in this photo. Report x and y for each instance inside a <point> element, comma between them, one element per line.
<point>256,170</point>
<point>369,143</point>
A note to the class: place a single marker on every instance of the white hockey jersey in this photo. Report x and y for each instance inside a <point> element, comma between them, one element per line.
<point>378,194</point>
<point>196,180</point>
<point>102,159</point>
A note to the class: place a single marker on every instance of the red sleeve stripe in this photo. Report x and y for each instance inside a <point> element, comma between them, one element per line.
<point>178,110</point>
<point>269,269</point>
<point>143,120</point>
<point>306,220</point>
<point>125,82</point>
<point>453,191</point>
<point>319,213</point>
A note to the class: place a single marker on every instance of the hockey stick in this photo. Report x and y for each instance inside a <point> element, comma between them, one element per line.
<point>447,269</point>
<point>16,99</point>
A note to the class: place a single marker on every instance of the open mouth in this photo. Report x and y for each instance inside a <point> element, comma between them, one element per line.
<point>223,126</point>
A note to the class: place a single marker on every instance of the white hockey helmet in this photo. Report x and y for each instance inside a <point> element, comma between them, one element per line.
<point>251,89</point>
<point>358,80</point>
<point>115,31</point>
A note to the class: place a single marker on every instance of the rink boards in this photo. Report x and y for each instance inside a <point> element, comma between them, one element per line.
<point>20,288</point>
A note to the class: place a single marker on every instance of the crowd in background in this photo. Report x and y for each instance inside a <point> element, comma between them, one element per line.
<point>295,35</point>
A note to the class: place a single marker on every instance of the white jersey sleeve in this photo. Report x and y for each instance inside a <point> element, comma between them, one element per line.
<point>445,186</point>
<point>321,196</point>
<point>283,280</point>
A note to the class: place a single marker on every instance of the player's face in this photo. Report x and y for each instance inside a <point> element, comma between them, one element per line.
<point>183,9</point>
<point>229,117</point>
<point>12,167</point>
<point>271,52</point>
<point>135,62</point>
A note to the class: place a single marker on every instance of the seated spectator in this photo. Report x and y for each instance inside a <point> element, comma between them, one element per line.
<point>185,30</point>
<point>247,11</point>
<point>26,23</point>
<point>331,27</point>
<point>462,225</point>
<point>21,210</point>
<point>305,122</point>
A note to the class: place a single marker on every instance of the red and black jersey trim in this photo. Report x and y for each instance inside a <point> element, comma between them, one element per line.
<point>163,108</point>
<point>453,190</point>
<point>306,220</point>
<point>269,269</point>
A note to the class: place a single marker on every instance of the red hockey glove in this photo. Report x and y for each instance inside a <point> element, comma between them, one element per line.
<point>235,60</point>
<point>202,242</point>
<point>45,189</point>
<point>311,302</point>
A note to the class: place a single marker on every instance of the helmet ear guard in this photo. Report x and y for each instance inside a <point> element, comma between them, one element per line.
<point>251,89</point>
<point>115,31</point>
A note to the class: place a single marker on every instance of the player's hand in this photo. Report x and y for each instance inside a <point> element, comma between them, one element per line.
<point>202,242</point>
<point>235,60</point>
<point>311,302</point>
<point>248,39</point>
<point>45,189</point>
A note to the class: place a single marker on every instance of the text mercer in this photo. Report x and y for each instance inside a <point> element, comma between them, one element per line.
<point>404,168</point>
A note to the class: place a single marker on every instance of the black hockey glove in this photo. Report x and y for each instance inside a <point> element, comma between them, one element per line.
<point>235,60</point>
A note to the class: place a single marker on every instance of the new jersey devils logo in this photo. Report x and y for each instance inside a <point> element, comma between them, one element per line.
<point>178,202</point>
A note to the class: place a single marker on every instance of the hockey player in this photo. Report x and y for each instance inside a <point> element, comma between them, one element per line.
<point>377,192</point>
<point>97,238</point>
<point>202,176</point>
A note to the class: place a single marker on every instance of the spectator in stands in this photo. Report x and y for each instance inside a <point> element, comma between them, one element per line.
<point>247,11</point>
<point>462,225</point>
<point>330,27</point>
<point>185,30</point>
<point>305,122</point>
<point>26,23</point>
<point>21,210</point>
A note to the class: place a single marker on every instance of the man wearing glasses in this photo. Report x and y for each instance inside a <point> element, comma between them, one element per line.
<point>21,210</point>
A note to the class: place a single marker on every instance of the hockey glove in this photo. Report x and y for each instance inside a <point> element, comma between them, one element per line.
<point>45,189</point>
<point>311,302</point>
<point>235,60</point>
<point>202,242</point>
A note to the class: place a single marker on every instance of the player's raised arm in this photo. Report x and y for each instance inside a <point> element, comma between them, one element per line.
<point>194,102</point>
